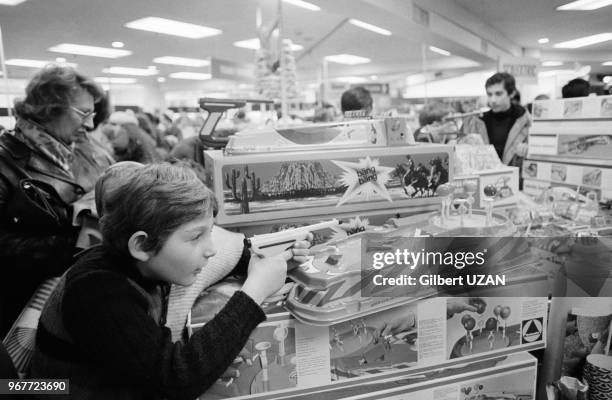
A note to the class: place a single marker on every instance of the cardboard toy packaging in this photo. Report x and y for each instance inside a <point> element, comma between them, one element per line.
<point>504,179</point>
<point>284,357</point>
<point>592,107</point>
<point>261,187</point>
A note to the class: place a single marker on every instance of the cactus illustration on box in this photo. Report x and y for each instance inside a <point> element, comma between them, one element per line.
<point>245,195</point>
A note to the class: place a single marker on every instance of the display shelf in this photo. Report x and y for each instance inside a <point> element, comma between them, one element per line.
<point>512,377</point>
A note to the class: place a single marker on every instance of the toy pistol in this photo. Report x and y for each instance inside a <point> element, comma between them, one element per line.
<point>271,244</point>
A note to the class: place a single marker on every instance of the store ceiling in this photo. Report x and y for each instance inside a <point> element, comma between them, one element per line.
<point>30,28</point>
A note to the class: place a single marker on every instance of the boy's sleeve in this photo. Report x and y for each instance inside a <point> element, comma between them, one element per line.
<point>108,320</point>
<point>242,268</point>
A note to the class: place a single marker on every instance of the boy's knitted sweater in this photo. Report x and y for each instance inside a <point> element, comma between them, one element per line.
<point>103,328</point>
<point>231,257</point>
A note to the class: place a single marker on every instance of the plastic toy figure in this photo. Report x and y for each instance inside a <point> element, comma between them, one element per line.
<point>463,207</point>
<point>489,192</point>
<point>491,339</point>
<point>445,191</point>
<point>470,188</point>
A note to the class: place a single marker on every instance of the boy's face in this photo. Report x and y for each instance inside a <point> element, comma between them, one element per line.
<point>498,98</point>
<point>184,254</point>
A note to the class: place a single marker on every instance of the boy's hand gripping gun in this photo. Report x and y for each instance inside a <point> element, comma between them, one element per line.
<point>271,244</point>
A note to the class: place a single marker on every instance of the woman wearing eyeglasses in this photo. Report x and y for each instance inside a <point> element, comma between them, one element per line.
<point>40,176</point>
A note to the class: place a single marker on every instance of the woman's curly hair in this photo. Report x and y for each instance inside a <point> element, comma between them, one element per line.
<point>49,93</point>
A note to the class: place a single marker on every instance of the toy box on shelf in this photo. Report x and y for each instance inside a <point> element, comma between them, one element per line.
<point>286,357</point>
<point>479,167</point>
<point>505,180</point>
<point>540,175</point>
<point>375,132</point>
<point>570,145</point>
<point>592,107</point>
<point>271,186</point>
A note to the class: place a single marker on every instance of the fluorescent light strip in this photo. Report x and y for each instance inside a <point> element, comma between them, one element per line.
<point>253,44</point>
<point>370,27</point>
<point>439,51</point>
<point>607,63</point>
<point>543,40</point>
<point>585,5</point>
<point>21,62</point>
<point>93,51</point>
<point>11,2</point>
<point>172,27</point>
<point>114,80</point>
<point>552,63</point>
<point>584,41</point>
<point>347,59</point>
<point>187,62</point>
<point>303,4</point>
<point>190,75</point>
<point>130,71</point>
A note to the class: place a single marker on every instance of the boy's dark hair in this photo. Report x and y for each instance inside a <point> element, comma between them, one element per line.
<point>576,88</point>
<point>357,98</point>
<point>50,92</point>
<point>158,199</point>
<point>505,78</point>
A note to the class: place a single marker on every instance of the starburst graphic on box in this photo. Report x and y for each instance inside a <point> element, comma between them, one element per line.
<point>364,178</point>
<point>354,226</point>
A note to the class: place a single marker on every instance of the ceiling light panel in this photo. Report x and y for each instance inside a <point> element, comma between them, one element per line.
<point>303,4</point>
<point>439,51</point>
<point>11,2</point>
<point>130,71</point>
<point>93,51</point>
<point>187,62</point>
<point>370,27</point>
<point>172,27</point>
<point>253,44</point>
<point>114,80</point>
<point>190,75</point>
<point>552,63</point>
<point>584,41</point>
<point>347,59</point>
<point>22,62</point>
<point>582,5</point>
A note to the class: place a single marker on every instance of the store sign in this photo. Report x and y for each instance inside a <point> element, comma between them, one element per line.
<point>524,70</point>
<point>374,88</point>
<point>221,69</point>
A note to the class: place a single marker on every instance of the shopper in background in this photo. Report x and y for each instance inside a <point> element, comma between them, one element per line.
<point>325,113</point>
<point>39,180</point>
<point>506,125</point>
<point>356,99</point>
<point>103,326</point>
<point>576,88</point>
<point>131,143</point>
